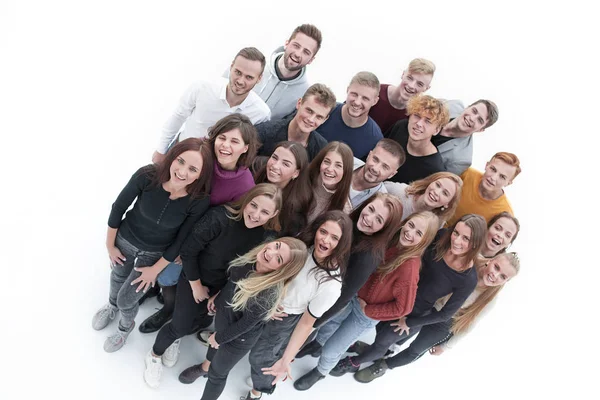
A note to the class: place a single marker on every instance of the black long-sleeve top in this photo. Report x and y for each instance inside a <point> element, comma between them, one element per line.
<point>247,323</point>
<point>415,167</point>
<point>360,267</point>
<point>155,223</point>
<point>437,280</point>
<point>214,242</point>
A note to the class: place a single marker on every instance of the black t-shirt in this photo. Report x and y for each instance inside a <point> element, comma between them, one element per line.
<point>414,167</point>
<point>438,140</point>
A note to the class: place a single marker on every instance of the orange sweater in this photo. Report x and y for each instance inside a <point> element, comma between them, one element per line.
<point>394,296</point>
<point>471,201</point>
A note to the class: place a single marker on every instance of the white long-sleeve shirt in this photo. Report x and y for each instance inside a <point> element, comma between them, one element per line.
<point>203,104</point>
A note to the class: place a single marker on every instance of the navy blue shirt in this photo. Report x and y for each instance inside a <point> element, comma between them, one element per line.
<point>361,140</point>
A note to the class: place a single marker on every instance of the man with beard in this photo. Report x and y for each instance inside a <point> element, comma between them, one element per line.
<point>455,141</point>
<point>427,116</point>
<point>204,103</point>
<point>350,122</point>
<point>313,109</point>
<point>367,179</point>
<point>391,106</point>
<point>284,80</point>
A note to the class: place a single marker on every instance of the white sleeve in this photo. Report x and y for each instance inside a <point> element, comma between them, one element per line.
<point>450,344</point>
<point>395,188</point>
<point>326,297</point>
<point>187,104</point>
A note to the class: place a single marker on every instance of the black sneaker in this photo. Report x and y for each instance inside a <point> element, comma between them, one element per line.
<point>189,375</point>
<point>156,321</point>
<point>313,348</point>
<point>308,380</point>
<point>343,366</point>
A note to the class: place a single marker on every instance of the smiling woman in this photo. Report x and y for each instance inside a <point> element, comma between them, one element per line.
<point>171,197</point>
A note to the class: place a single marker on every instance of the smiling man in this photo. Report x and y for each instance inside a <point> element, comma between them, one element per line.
<point>367,179</point>
<point>350,122</point>
<point>313,109</point>
<point>393,100</point>
<point>204,103</point>
<point>455,141</point>
<point>483,193</point>
<point>427,116</point>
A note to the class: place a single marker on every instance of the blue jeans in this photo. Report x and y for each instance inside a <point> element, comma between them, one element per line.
<point>170,275</point>
<point>350,326</point>
<point>332,325</point>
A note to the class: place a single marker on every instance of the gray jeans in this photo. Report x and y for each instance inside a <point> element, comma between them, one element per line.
<point>122,294</point>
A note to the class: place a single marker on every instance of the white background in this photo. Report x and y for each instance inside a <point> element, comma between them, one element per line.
<point>86,86</point>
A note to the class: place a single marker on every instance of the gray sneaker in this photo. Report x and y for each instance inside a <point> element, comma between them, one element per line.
<point>373,372</point>
<point>104,316</point>
<point>117,339</point>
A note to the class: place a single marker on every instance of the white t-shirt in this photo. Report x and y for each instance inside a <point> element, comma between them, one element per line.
<point>203,104</point>
<point>309,291</point>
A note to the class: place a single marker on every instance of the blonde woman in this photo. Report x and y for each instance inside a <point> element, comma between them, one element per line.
<point>492,274</point>
<point>439,193</point>
<point>257,283</point>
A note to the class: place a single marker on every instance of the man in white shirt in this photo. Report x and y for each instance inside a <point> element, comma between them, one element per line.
<point>204,103</point>
<point>367,179</point>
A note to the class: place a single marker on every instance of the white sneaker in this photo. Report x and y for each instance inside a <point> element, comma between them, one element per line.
<point>153,371</point>
<point>249,382</point>
<point>171,355</point>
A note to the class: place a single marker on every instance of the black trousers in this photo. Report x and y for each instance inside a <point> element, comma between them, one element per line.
<point>268,349</point>
<point>187,316</point>
<point>384,338</point>
<point>427,337</point>
<point>222,361</point>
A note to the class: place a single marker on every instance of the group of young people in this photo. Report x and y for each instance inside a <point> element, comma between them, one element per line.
<point>295,224</point>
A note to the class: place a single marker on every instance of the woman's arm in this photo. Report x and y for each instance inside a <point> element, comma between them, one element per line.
<point>195,213</point>
<point>137,183</point>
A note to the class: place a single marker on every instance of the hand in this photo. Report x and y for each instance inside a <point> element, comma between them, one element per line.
<point>178,260</point>
<point>213,342</point>
<point>157,157</point>
<point>212,309</point>
<point>436,350</point>
<point>279,314</point>
<point>279,370</point>
<point>200,293</point>
<point>362,303</point>
<point>147,279</point>
<point>115,255</point>
<point>402,327</point>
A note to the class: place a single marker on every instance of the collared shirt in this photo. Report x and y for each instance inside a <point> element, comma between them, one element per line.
<point>355,197</point>
<point>203,104</point>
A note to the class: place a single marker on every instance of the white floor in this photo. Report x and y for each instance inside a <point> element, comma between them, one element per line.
<point>86,86</point>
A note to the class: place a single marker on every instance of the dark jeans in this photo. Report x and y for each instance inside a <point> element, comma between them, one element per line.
<point>428,336</point>
<point>384,338</point>
<point>268,349</point>
<point>122,294</point>
<point>222,361</point>
<point>186,317</point>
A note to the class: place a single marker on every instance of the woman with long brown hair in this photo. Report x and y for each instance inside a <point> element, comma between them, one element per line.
<point>310,294</point>
<point>447,269</point>
<point>330,174</point>
<point>258,281</point>
<point>287,169</point>
<point>439,193</point>
<point>388,294</point>
<point>171,197</point>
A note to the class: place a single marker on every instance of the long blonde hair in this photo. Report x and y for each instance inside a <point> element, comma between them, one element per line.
<point>418,188</point>
<point>406,253</point>
<point>275,281</point>
<point>465,316</point>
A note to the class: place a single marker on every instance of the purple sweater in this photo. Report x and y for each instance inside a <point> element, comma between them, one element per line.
<point>229,185</point>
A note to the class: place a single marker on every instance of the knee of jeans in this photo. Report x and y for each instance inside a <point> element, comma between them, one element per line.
<point>127,299</point>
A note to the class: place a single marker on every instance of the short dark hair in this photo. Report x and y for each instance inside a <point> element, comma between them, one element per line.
<point>492,110</point>
<point>394,148</point>
<point>252,54</point>
<point>311,31</point>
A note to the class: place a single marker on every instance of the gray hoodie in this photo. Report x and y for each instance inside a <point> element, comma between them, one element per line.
<point>280,96</point>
